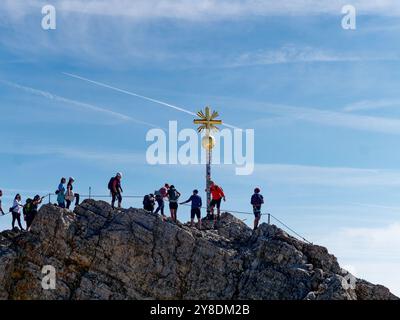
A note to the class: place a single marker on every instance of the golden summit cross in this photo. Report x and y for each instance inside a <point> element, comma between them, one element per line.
<point>207,120</point>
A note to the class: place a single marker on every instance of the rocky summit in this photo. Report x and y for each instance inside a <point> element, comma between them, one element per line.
<point>101,253</point>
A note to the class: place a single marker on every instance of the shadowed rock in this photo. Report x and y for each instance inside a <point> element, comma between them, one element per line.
<point>100,253</point>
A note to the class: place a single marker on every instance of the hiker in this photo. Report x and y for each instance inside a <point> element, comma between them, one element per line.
<point>149,202</point>
<point>70,195</point>
<point>196,208</point>
<point>16,211</point>
<point>1,208</point>
<point>217,194</point>
<point>160,195</point>
<point>61,193</point>
<point>31,210</point>
<point>114,185</point>
<point>257,200</point>
<point>173,196</point>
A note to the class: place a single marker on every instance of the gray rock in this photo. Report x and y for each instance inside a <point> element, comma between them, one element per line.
<point>100,253</point>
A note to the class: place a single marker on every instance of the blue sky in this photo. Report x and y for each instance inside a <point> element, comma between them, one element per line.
<point>323,102</point>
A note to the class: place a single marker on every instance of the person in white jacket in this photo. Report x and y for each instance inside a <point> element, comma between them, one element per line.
<point>16,211</point>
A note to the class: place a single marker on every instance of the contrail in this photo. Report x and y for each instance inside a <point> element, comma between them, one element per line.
<point>80,104</point>
<point>139,96</point>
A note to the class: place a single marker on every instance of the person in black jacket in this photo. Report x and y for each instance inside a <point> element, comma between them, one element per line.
<point>257,200</point>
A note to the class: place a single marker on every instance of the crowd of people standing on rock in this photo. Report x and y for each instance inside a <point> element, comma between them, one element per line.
<point>167,193</point>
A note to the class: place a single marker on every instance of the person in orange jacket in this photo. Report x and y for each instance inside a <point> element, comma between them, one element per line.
<point>217,194</point>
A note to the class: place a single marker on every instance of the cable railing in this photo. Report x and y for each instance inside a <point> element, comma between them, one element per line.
<point>269,215</point>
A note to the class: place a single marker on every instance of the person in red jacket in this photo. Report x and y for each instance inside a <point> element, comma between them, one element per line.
<point>217,194</point>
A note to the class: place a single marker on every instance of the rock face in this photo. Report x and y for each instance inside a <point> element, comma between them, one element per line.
<point>100,253</point>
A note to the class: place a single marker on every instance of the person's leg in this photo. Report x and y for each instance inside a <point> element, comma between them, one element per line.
<point>77,196</point>
<point>219,208</point>
<point>13,220</point>
<point>19,222</point>
<point>192,214</point>
<point>119,200</point>
<point>158,207</point>
<point>113,198</point>
<point>68,204</point>
<point>198,215</point>
<point>257,214</point>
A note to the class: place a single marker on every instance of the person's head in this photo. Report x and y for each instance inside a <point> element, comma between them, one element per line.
<point>257,190</point>
<point>212,183</point>
<point>63,180</point>
<point>151,195</point>
<point>1,193</point>
<point>18,197</point>
<point>36,198</point>
<point>71,179</point>
<point>119,175</point>
<point>195,191</point>
<point>166,185</point>
<point>172,187</point>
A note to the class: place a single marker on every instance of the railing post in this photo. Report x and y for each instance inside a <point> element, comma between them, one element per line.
<point>90,192</point>
<point>49,198</point>
<point>269,218</point>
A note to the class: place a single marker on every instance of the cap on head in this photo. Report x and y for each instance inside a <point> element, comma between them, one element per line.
<point>37,197</point>
<point>71,179</point>
<point>119,174</point>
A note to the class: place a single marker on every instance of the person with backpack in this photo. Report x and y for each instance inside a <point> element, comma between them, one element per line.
<point>149,202</point>
<point>70,195</point>
<point>160,195</point>
<point>31,210</point>
<point>61,193</point>
<point>1,208</point>
<point>196,208</point>
<point>16,211</point>
<point>217,194</point>
<point>257,200</point>
<point>114,185</point>
<point>173,196</point>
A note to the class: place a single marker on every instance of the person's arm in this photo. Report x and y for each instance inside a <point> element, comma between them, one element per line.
<point>1,209</point>
<point>188,200</point>
<point>222,194</point>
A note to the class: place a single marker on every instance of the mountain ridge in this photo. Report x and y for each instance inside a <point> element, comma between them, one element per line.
<point>102,253</point>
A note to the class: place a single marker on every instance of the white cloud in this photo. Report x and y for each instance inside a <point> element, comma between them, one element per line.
<point>326,176</point>
<point>329,118</point>
<point>101,157</point>
<point>372,253</point>
<point>292,54</point>
<point>205,9</point>
<point>372,104</point>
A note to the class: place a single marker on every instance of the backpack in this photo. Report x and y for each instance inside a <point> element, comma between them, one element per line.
<point>147,202</point>
<point>27,207</point>
<point>173,195</point>
<point>257,200</point>
<point>110,183</point>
